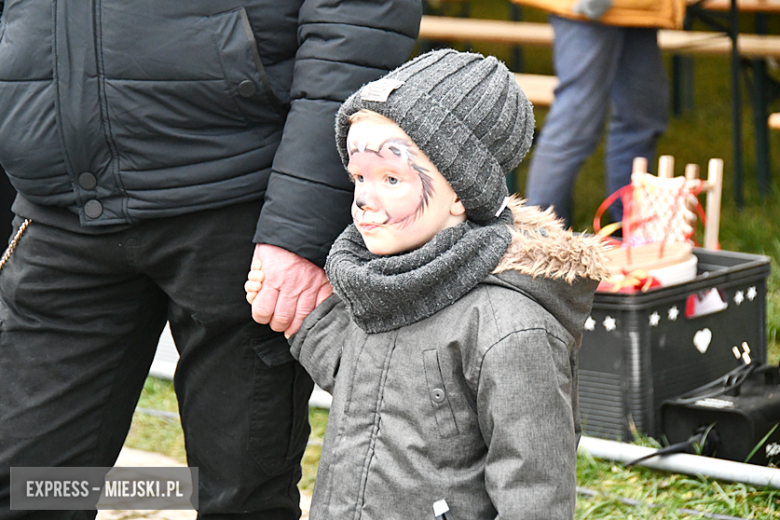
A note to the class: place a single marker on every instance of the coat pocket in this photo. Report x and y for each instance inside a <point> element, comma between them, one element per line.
<point>244,72</point>
<point>279,420</point>
<point>442,410</point>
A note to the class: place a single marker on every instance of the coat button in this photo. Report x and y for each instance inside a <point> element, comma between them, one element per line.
<point>247,88</point>
<point>93,208</point>
<point>438,395</point>
<point>87,181</point>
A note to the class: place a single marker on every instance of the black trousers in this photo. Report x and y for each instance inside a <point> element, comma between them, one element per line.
<point>7,195</point>
<point>81,316</point>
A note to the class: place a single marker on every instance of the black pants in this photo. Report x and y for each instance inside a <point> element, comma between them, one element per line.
<point>7,194</point>
<point>81,316</point>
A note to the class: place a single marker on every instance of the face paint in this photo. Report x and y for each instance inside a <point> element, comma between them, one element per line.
<point>396,155</point>
<point>401,200</point>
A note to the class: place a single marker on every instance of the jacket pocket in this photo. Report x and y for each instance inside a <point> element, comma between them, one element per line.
<point>442,410</point>
<point>244,72</point>
<point>279,421</point>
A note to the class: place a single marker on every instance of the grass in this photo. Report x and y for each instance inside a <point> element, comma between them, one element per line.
<point>658,495</point>
<point>630,493</point>
<point>156,433</point>
<point>693,137</point>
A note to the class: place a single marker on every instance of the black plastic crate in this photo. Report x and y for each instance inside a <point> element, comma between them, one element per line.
<point>640,349</point>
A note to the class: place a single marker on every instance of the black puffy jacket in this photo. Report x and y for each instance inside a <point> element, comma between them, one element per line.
<point>124,110</point>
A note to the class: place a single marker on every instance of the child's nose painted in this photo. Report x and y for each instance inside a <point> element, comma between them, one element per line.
<point>366,197</point>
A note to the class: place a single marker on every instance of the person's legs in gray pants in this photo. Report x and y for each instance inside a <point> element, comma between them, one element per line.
<point>596,69</point>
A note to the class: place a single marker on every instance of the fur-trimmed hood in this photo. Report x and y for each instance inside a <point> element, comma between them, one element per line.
<point>556,267</point>
<point>542,247</point>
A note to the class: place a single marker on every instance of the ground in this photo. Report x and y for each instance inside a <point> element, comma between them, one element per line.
<point>137,458</point>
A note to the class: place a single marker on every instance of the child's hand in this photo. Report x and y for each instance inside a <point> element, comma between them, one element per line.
<point>254,280</point>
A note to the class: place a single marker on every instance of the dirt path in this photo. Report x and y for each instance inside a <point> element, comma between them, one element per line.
<point>137,458</point>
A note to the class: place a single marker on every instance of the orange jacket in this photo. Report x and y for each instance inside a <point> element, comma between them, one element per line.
<point>667,14</point>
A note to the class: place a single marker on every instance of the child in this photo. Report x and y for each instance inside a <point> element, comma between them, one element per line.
<point>450,342</point>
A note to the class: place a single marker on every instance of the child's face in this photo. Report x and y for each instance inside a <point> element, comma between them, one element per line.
<point>401,200</point>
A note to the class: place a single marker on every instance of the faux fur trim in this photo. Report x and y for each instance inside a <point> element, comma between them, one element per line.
<point>542,247</point>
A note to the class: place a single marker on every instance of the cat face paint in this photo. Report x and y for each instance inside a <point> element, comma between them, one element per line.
<point>397,158</point>
<point>401,200</point>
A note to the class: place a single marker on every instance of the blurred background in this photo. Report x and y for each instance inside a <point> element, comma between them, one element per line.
<point>700,132</point>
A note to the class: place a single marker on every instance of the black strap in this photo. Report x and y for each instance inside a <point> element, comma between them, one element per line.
<point>728,384</point>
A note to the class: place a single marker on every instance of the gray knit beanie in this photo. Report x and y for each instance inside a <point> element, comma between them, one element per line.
<point>464,111</point>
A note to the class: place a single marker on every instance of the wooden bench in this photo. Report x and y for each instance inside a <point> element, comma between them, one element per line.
<point>539,34</point>
<point>540,89</point>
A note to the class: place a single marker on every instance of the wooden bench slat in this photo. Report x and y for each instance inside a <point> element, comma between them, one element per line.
<point>774,121</point>
<point>758,45</point>
<point>539,89</point>
<point>541,34</point>
<point>694,42</point>
<point>701,42</point>
<point>453,29</point>
<point>744,6</point>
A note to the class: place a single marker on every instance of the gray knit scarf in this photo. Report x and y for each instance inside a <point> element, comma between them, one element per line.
<point>388,292</point>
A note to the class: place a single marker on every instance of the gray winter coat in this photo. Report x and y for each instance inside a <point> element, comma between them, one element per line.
<point>476,404</point>
<point>123,110</point>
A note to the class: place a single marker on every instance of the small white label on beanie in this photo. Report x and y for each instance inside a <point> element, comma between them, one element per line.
<point>380,90</point>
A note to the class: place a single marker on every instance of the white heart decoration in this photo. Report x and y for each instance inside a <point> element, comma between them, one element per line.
<point>702,339</point>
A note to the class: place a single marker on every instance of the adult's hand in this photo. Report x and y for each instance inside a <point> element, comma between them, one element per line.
<point>292,288</point>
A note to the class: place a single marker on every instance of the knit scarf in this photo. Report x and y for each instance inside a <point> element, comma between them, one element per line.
<point>388,292</point>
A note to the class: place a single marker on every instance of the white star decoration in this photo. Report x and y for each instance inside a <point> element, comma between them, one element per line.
<point>654,319</point>
<point>609,323</point>
<point>752,293</point>
<point>739,297</point>
<point>673,313</point>
<point>590,324</point>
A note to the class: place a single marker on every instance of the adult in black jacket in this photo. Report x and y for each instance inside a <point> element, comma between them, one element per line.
<point>156,147</point>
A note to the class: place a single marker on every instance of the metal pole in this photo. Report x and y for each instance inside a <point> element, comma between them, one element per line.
<point>736,103</point>
<point>759,476</point>
<point>761,114</point>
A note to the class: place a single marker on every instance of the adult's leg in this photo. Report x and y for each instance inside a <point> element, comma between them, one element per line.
<point>243,399</point>
<point>7,195</point>
<point>585,58</point>
<point>640,108</point>
<point>78,332</point>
